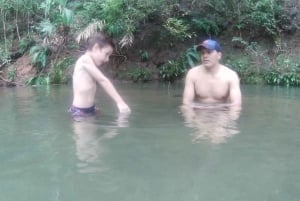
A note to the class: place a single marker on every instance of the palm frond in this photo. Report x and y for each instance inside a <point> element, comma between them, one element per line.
<point>90,30</point>
<point>127,40</point>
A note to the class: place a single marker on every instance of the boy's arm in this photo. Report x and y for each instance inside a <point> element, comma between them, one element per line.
<point>108,87</point>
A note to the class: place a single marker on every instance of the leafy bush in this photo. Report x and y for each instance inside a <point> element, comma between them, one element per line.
<point>285,72</point>
<point>205,25</point>
<point>49,21</point>
<point>4,57</point>
<point>12,72</point>
<point>190,57</point>
<point>38,80</point>
<point>58,73</point>
<point>24,44</point>
<point>246,71</point>
<point>256,17</point>
<point>262,15</point>
<point>285,79</point>
<point>144,55</point>
<point>140,74</point>
<point>46,28</point>
<point>285,62</point>
<point>171,71</point>
<point>38,55</point>
<point>178,29</point>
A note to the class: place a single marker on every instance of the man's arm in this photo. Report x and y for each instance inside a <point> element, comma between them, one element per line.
<point>189,90</point>
<point>108,87</point>
<point>235,96</point>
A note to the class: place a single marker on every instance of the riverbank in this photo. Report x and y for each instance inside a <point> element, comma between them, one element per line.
<point>257,61</point>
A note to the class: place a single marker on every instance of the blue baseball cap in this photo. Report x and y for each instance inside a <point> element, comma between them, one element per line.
<point>209,44</point>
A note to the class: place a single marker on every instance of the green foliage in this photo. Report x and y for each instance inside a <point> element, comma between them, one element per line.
<point>24,44</point>
<point>255,16</point>
<point>49,22</point>
<point>178,29</point>
<point>144,55</point>
<point>175,69</point>
<point>38,80</point>
<point>46,28</point>
<point>67,16</point>
<point>284,72</point>
<point>38,55</point>
<point>90,29</point>
<point>12,74</point>
<point>190,57</point>
<point>171,71</point>
<point>246,71</point>
<point>46,6</point>
<point>140,74</point>
<point>241,66</point>
<point>205,25</point>
<point>87,11</point>
<point>4,57</point>
<point>125,16</point>
<point>285,79</point>
<point>284,62</point>
<point>58,73</point>
<point>258,56</point>
<point>262,15</point>
<point>56,12</point>
<point>122,17</point>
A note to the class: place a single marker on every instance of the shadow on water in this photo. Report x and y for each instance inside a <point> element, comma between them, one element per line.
<point>90,136</point>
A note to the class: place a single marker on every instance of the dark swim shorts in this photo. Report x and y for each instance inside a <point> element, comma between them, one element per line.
<point>82,112</point>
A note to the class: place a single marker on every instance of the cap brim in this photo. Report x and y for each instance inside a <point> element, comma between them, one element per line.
<point>199,47</point>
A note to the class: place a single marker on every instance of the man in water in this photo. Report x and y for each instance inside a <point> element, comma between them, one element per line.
<point>87,74</point>
<point>211,83</point>
<point>212,96</point>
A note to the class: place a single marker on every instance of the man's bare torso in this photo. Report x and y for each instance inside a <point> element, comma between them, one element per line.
<point>211,88</point>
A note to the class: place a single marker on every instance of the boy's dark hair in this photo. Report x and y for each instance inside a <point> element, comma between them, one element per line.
<point>100,39</point>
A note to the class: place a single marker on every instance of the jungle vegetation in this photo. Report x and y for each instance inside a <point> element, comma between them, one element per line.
<point>48,30</point>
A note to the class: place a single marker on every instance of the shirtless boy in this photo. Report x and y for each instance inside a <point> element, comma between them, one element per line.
<point>87,75</point>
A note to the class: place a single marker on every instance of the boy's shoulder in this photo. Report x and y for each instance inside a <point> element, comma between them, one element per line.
<point>82,61</point>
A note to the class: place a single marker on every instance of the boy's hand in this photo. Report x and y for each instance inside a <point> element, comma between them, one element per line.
<point>123,108</point>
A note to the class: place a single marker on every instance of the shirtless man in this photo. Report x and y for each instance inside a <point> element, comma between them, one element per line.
<point>211,83</point>
<point>87,74</point>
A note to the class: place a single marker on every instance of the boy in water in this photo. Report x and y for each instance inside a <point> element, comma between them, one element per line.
<point>87,74</point>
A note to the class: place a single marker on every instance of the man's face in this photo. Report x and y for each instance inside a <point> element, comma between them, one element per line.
<point>210,58</point>
<point>101,54</point>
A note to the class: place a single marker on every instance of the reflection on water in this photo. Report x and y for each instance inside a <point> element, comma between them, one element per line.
<point>89,139</point>
<point>215,124</point>
<point>149,155</point>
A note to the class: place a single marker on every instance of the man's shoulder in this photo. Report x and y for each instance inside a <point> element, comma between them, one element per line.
<point>228,70</point>
<point>194,69</point>
<point>193,72</point>
<point>229,73</point>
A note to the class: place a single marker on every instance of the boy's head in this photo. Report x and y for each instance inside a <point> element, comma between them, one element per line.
<point>101,40</point>
<point>100,47</point>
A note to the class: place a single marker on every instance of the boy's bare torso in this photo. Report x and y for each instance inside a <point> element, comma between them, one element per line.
<point>84,86</point>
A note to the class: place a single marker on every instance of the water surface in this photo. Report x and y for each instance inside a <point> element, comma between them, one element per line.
<point>158,153</point>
